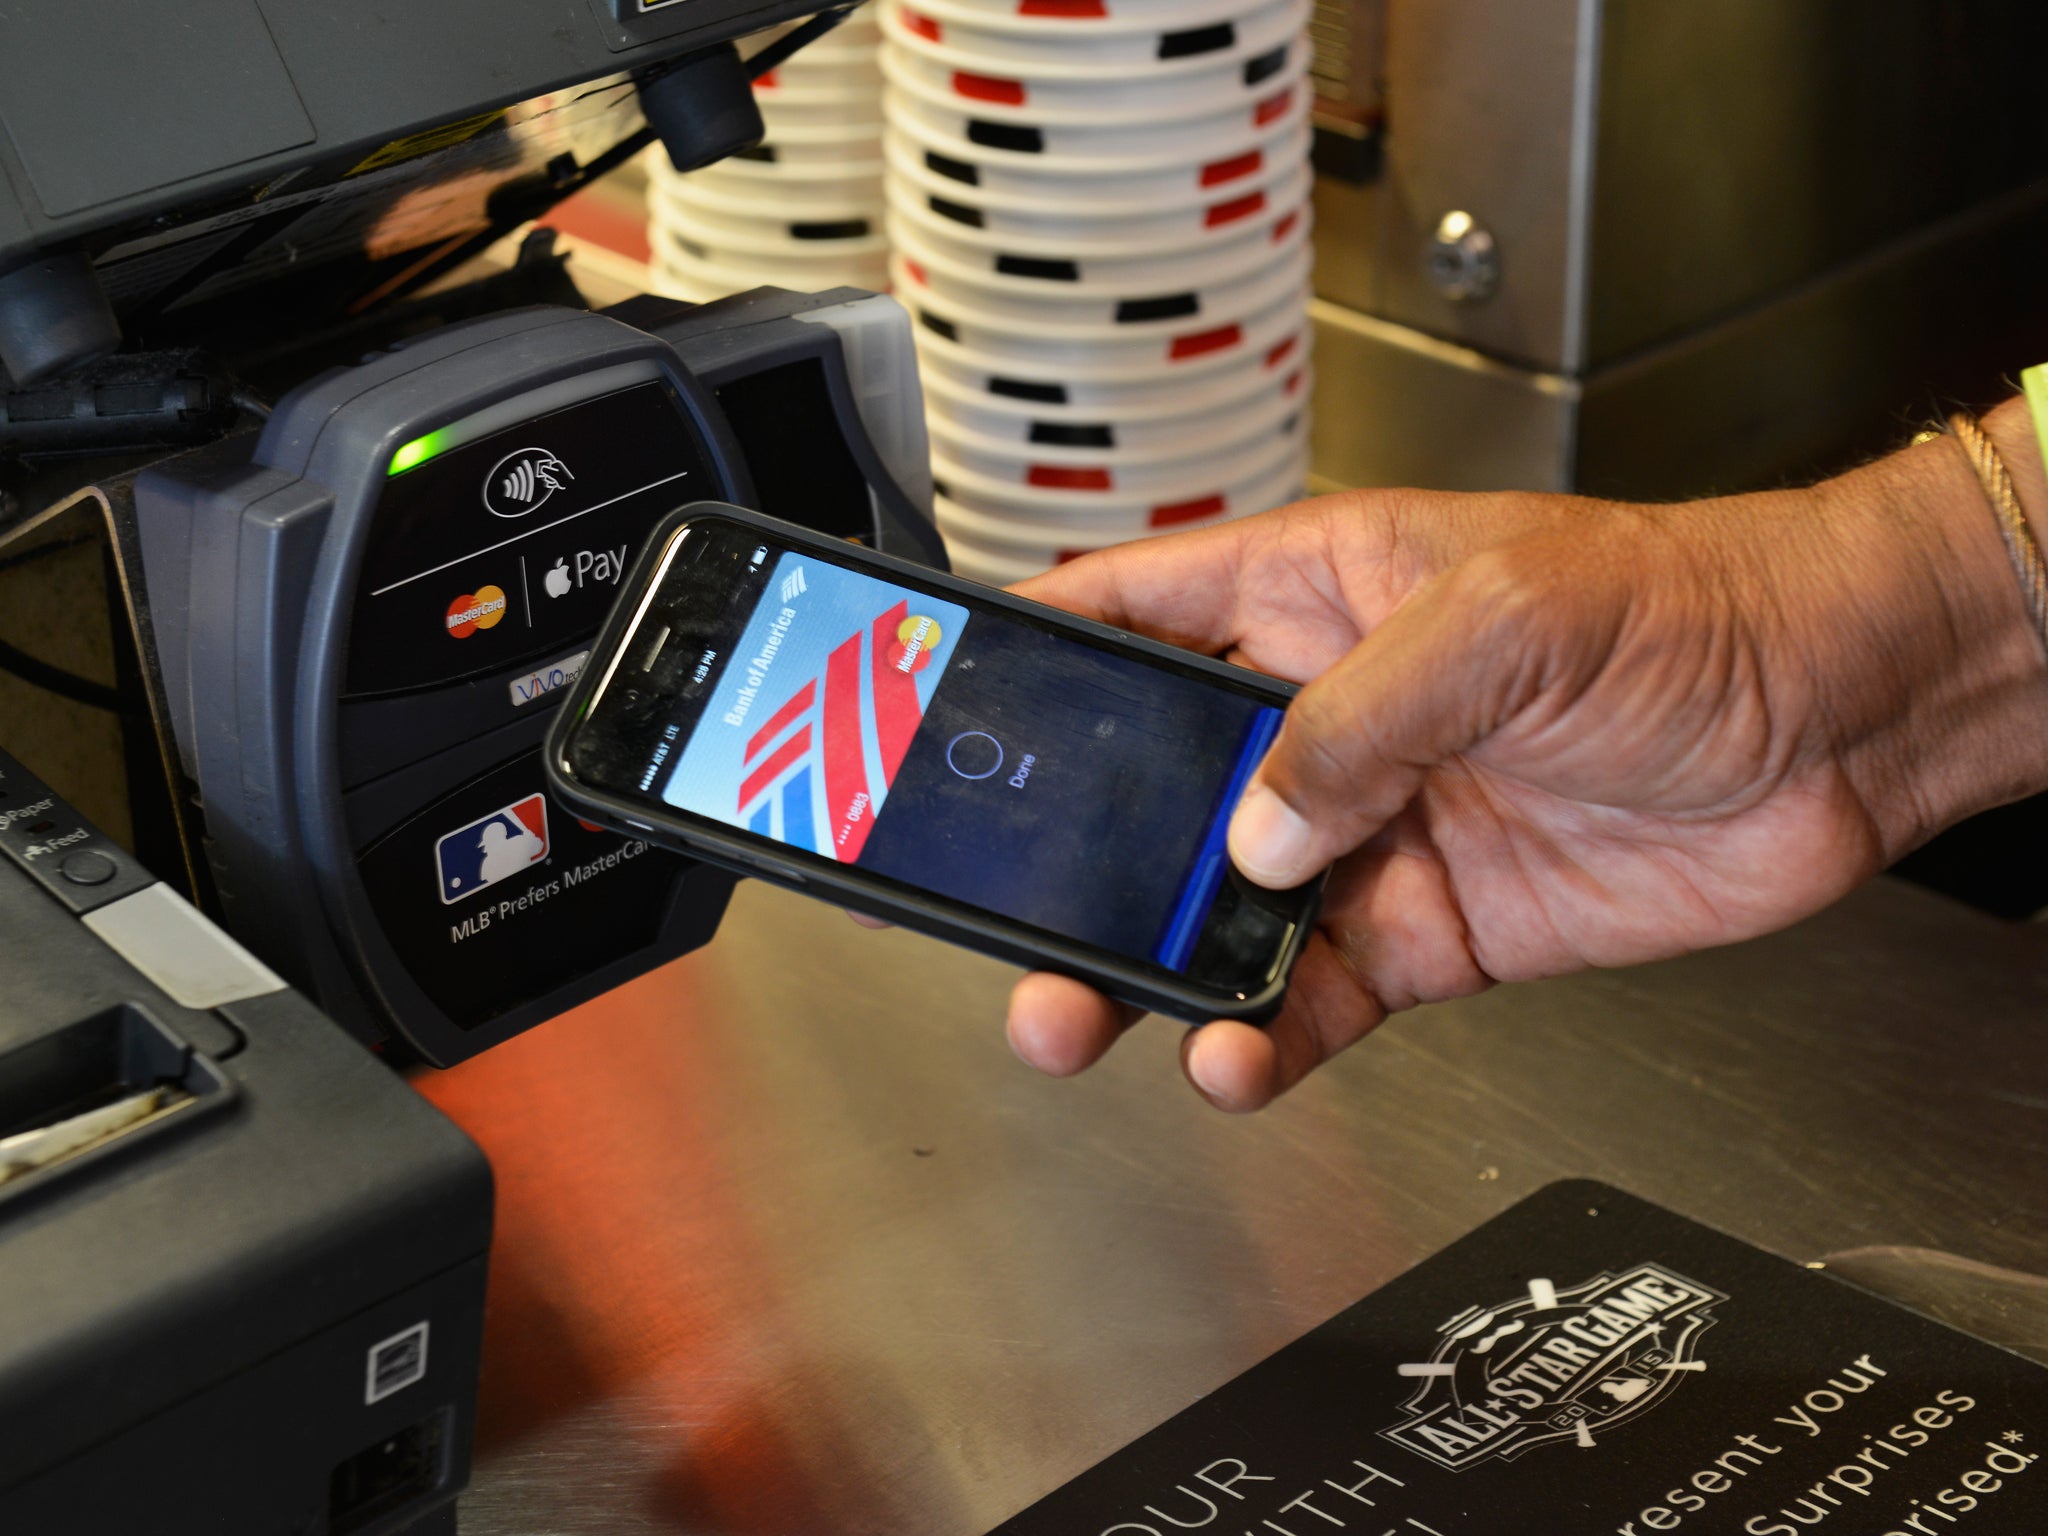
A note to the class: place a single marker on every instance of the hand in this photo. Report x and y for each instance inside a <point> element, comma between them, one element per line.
<point>1544,733</point>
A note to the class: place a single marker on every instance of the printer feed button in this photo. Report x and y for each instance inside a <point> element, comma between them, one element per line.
<point>88,867</point>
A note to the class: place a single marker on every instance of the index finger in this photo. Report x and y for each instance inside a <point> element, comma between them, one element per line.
<point>1181,588</point>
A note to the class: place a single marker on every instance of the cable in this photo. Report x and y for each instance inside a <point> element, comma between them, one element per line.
<point>69,685</point>
<point>247,400</point>
<point>44,551</point>
<point>778,51</point>
<point>454,254</point>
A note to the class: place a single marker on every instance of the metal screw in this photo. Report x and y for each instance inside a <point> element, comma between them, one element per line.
<point>1464,263</point>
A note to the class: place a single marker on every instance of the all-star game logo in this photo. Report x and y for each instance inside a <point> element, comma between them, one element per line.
<point>1554,1365</point>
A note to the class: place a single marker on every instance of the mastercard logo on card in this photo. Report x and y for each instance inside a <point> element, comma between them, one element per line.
<point>916,638</point>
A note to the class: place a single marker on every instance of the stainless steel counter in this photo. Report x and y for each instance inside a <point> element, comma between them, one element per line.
<point>788,1241</point>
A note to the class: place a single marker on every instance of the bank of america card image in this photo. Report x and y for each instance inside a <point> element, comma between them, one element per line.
<point>811,718</point>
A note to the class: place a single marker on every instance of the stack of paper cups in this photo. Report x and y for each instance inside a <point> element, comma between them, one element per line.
<point>1099,211</point>
<point>805,209</point>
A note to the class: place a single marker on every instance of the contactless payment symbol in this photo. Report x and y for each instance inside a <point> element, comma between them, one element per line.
<point>1554,1365</point>
<point>481,609</point>
<point>523,479</point>
<point>492,848</point>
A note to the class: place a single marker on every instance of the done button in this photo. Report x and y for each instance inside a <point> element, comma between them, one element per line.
<point>974,755</point>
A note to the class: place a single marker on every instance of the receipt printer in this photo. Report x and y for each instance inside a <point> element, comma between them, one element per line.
<point>362,625</point>
<point>241,1262</point>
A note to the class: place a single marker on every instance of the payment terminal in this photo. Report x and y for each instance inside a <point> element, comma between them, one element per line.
<point>364,622</point>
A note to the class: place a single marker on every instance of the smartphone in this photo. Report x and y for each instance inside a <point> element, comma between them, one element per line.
<point>938,753</point>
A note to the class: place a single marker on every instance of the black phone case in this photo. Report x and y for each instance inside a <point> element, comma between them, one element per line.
<point>713,844</point>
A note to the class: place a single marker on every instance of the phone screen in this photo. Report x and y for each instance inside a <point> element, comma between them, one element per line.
<point>950,747</point>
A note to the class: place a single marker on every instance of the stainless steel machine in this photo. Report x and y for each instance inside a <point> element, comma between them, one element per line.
<point>1641,249</point>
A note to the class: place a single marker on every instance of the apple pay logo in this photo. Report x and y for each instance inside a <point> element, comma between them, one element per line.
<point>587,567</point>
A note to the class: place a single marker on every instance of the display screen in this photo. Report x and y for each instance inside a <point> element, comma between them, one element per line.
<point>938,744</point>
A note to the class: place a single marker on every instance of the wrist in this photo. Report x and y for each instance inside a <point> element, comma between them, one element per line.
<point>1941,704</point>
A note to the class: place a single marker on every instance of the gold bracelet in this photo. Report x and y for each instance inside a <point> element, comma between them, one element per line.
<point>2021,547</point>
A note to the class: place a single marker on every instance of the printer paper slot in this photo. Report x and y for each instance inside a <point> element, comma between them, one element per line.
<point>94,1087</point>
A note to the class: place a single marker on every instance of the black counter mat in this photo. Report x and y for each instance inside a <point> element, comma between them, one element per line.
<point>1588,1362</point>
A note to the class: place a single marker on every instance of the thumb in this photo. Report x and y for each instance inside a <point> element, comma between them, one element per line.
<point>1443,671</point>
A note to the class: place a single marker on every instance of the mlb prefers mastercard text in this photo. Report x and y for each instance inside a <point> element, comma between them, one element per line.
<point>511,906</point>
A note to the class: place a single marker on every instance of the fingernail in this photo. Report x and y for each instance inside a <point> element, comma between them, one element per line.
<point>1268,839</point>
<point>1010,1034</point>
<point>1204,1075</point>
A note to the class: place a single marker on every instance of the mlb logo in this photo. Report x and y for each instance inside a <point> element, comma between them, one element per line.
<point>492,848</point>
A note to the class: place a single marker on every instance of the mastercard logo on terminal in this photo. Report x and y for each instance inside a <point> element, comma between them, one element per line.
<point>481,609</point>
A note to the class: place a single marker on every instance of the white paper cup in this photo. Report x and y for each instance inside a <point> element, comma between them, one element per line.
<point>1150,160</point>
<point>1103,393</point>
<point>793,149</point>
<point>1056,434</point>
<point>969,38</point>
<point>983,552</point>
<point>964,39</point>
<point>1196,470</point>
<point>858,33</point>
<point>1162,443</point>
<point>1002,562</point>
<point>1159,395</point>
<point>846,119</point>
<point>807,179</point>
<point>781,178</point>
<point>838,67</point>
<point>852,50</point>
<point>731,271</point>
<point>1100,98</point>
<point>831,239</point>
<point>1049,208</point>
<point>1082,506</point>
<point>812,198</point>
<point>839,90</point>
<point>1003,317</point>
<point>1103,16</point>
<point>996,532</point>
<point>1094,359</point>
<point>1106,263</point>
<point>711,210</point>
<point>1126,462</point>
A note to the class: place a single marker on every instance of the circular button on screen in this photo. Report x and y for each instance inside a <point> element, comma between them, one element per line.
<point>974,755</point>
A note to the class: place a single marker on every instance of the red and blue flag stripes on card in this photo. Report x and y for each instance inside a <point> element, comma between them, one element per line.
<point>808,780</point>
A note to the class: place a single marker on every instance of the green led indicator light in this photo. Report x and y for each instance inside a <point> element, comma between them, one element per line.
<point>417,452</point>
